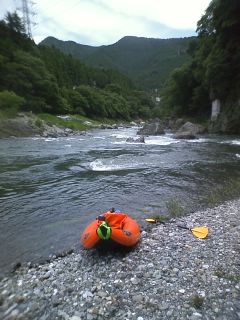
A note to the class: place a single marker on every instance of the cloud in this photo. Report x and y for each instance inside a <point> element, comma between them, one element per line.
<point>7,5</point>
<point>177,14</point>
<point>98,22</point>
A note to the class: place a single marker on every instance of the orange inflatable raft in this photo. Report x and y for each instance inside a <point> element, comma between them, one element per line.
<point>116,226</point>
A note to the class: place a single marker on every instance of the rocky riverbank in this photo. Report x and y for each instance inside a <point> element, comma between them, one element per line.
<point>24,125</point>
<point>29,125</point>
<point>169,275</point>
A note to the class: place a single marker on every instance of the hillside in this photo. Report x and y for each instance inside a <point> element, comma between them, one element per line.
<point>147,61</point>
<point>44,79</point>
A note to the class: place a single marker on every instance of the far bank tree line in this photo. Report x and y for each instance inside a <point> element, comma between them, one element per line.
<point>213,71</point>
<point>42,79</point>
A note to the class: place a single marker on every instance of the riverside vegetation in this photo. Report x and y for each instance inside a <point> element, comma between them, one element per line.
<point>213,70</point>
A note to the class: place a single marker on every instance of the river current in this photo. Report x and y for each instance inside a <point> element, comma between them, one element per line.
<point>50,189</point>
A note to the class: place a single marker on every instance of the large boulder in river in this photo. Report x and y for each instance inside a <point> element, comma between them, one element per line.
<point>140,139</point>
<point>174,124</point>
<point>185,135</point>
<point>151,129</point>
<point>194,128</point>
<point>189,131</point>
<point>108,126</point>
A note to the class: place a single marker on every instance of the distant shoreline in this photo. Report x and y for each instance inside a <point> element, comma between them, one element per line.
<point>30,125</point>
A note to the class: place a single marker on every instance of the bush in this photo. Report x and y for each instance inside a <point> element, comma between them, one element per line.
<point>36,105</point>
<point>197,301</point>
<point>174,208</point>
<point>10,100</point>
<point>226,191</point>
<point>39,123</point>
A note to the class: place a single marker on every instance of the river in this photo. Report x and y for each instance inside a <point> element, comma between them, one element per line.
<point>50,189</point>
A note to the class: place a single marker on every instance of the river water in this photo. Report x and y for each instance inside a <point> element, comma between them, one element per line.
<point>50,189</point>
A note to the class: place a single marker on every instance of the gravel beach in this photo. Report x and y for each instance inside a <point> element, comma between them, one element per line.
<point>169,275</point>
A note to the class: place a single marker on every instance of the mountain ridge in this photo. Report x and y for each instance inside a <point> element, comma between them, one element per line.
<point>146,61</point>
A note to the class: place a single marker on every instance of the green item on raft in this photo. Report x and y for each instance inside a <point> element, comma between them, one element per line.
<point>104,231</point>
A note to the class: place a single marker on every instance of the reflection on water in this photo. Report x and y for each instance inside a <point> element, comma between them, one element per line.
<point>51,188</point>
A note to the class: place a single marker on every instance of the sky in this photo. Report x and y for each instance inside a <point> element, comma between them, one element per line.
<point>104,22</point>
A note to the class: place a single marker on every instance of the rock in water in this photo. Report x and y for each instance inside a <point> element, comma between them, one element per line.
<point>185,135</point>
<point>140,139</point>
<point>151,129</point>
<point>189,131</point>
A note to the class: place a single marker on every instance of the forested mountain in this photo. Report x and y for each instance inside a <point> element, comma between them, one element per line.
<point>213,71</point>
<point>146,61</point>
<point>43,79</point>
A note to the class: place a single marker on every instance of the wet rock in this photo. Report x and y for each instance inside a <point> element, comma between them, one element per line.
<point>133,123</point>
<point>56,302</point>
<point>46,275</point>
<point>108,126</point>
<point>151,129</point>
<point>140,139</point>
<point>189,131</point>
<point>16,266</point>
<point>194,128</point>
<point>185,135</point>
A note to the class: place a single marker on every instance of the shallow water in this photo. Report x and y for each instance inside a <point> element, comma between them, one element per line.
<point>50,189</point>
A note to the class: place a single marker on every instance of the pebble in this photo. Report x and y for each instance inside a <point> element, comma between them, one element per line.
<point>169,275</point>
<point>134,281</point>
<point>137,298</point>
<point>196,316</point>
<point>181,290</point>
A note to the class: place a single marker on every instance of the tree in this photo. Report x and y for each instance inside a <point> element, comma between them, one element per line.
<point>215,66</point>
<point>53,82</point>
<point>10,100</point>
<point>221,25</point>
<point>14,23</point>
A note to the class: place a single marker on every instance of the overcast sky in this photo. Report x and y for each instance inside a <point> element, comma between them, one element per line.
<point>102,22</point>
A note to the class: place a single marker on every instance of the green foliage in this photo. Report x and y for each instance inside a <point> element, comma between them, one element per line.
<point>146,61</point>
<point>102,103</point>
<point>179,89</point>
<point>160,218</point>
<point>53,82</point>
<point>215,65</point>
<point>197,301</point>
<point>224,275</point>
<point>74,123</point>
<point>70,72</point>
<point>226,191</point>
<point>95,102</point>
<point>10,100</point>
<point>77,102</point>
<point>174,208</point>
<point>14,23</point>
<point>39,123</point>
<point>12,35</point>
